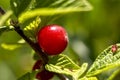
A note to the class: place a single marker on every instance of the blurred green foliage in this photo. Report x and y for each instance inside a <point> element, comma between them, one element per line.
<point>89,32</point>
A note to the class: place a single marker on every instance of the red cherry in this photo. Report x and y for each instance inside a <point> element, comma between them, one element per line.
<point>37,65</point>
<point>44,75</point>
<point>52,39</point>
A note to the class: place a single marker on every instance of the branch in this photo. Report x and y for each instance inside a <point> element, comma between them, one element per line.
<point>34,46</point>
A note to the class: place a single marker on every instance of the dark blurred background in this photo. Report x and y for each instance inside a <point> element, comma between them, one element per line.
<point>89,34</point>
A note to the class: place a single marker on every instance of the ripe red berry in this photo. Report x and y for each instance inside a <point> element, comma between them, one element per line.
<point>52,39</point>
<point>37,65</point>
<point>44,75</point>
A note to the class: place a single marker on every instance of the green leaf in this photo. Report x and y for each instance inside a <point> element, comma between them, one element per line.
<point>18,6</point>
<point>59,3</point>
<point>55,7</point>
<point>88,78</point>
<point>106,60</point>
<point>64,65</point>
<point>28,76</point>
<point>10,46</point>
<point>5,17</point>
<point>32,28</point>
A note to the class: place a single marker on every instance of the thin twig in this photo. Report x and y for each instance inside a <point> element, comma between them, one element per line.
<point>35,46</point>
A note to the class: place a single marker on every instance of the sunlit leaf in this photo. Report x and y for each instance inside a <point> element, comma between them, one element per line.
<point>106,60</point>
<point>10,46</point>
<point>64,65</point>
<point>32,28</point>
<point>56,7</point>
<point>21,41</point>
<point>88,78</point>
<point>5,17</point>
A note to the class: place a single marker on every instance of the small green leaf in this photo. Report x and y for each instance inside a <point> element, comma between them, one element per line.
<point>55,7</point>
<point>106,60</point>
<point>18,6</point>
<point>32,28</point>
<point>64,65</point>
<point>28,76</point>
<point>5,17</point>
<point>21,41</point>
<point>10,46</point>
<point>88,78</point>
